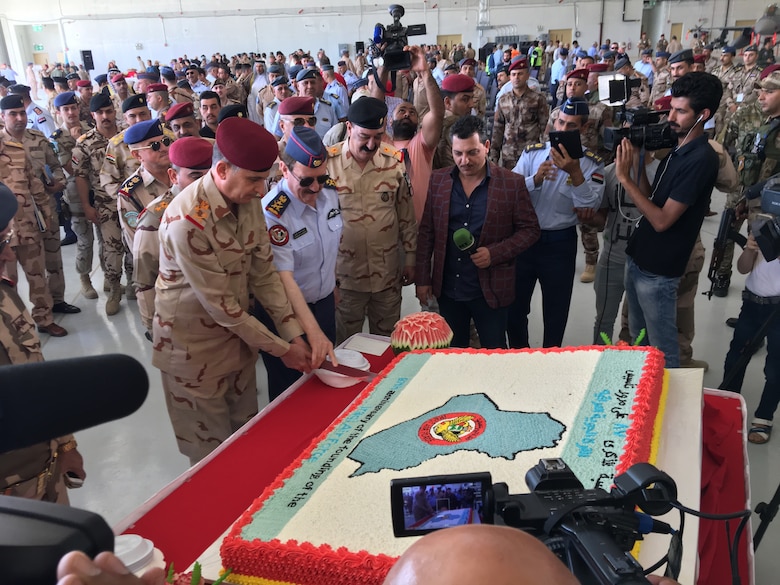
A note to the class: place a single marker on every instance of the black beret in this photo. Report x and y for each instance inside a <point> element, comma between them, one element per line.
<point>575,106</point>
<point>8,206</point>
<point>60,80</point>
<point>11,102</point>
<point>368,112</point>
<point>19,89</point>
<point>232,111</point>
<point>134,101</point>
<point>99,101</point>
<point>275,69</point>
<point>72,76</point>
<point>680,56</point>
<point>306,74</point>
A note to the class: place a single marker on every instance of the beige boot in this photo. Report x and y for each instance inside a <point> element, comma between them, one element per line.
<point>107,286</point>
<point>130,292</point>
<point>589,274</point>
<point>114,296</point>
<point>87,289</point>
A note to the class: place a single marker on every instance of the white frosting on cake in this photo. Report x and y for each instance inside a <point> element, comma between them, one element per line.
<point>333,500</point>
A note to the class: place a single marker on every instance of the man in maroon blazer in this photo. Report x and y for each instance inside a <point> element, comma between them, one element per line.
<point>491,204</point>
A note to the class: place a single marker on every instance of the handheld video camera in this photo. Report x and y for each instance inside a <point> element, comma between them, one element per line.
<point>394,38</point>
<point>766,226</point>
<point>591,530</point>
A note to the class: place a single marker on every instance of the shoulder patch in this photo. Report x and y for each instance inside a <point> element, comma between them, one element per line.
<point>272,105</point>
<point>388,150</point>
<point>532,147</point>
<point>593,156</point>
<point>117,139</point>
<point>278,204</point>
<point>199,214</point>
<point>130,184</point>
<point>330,183</point>
<point>37,110</point>
<point>334,150</point>
<point>56,134</point>
<point>278,235</point>
<point>324,101</point>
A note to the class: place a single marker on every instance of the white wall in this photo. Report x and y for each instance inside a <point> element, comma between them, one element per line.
<point>171,28</point>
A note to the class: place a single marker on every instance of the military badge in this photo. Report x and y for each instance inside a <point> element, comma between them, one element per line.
<point>385,196</point>
<point>597,178</point>
<point>279,235</point>
<point>333,213</point>
<point>131,218</point>
<point>300,233</point>
<point>278,204</point>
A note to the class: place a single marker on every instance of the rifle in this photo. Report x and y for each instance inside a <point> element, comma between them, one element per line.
<point>726,231</point>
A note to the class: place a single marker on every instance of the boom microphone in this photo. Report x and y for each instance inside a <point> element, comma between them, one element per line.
<point>45,400</point>
<point>464,240</point>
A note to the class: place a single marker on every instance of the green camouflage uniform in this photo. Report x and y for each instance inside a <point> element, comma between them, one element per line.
<point>662,81</point>
<point>519,121</point>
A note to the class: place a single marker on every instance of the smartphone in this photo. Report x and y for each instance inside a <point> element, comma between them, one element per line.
<point>570,140</point>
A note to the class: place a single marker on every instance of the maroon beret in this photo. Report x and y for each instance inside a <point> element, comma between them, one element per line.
<point>518,63</point>
<point>191,152</point>
<point>768,70</point>
<point>699,59</point>
<point>663,103</point>
<point>117,77</point>
<point>458,83</point>
<point>181,110</point>
<point>298,105</point>
<point>578,74</point>
<point>83,83</point>
<point>598,68</point>
<point>246,144</point>
<point>157,87</point>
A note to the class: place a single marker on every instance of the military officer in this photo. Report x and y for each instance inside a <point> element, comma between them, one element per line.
<point>181,120</point>
<point>335,92</point>
<point>662,77</point>
<point>281,92</point>
<point>304,225</point>
<point>100,208</point>
<point>564,190</point>
<point>64,141</point>
<point>640,96</point>
<point>37,118</point>
<point>210,104</point>
<point>307,81</point>
<point>38,471</point>
<point>267,94</point>
<point>33,214</point>
<point>121,90</point>
<point>458,93</point>
<point>149,147</point>
<point>190,158</point>
<point>520,119</point>
<point>741,86</point>
<point>158,100</point>
<point>72,79</point>
<point>479,99</point>
<point>214,252</point>
<point>84,91</point>
<point>378,223</point>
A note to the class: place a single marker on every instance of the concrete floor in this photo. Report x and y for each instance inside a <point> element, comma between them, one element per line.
<point>129,460</point>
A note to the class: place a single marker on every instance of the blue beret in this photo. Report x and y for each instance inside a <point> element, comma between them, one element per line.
<point>575,106</point>
<point>729,50</point>
<point>281,80</point>
<point>306,74</point>
<point>604,47</point>
<point>647,52</point>
<point>664,54</point>
<point>306,147</point>
<point>143,131</point>
<point>8,206</point>
<point>275,69</point>
<point>563,51</point>
<point>102,78</point>
<point>293,71</point>
<point>247,145</point>
<point>11,102</point>
<point>327,68</point>
<point>98,101</point>
<point>610,54</point>
<point>65,99</point>
<point>680,56</point>
<point>368,112</point>
<point>362,82</point>
<point>582,54</point>
<point>134,101</point>
<point>149,76</point>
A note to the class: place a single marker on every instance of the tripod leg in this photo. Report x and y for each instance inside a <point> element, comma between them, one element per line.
<point>767,513</point>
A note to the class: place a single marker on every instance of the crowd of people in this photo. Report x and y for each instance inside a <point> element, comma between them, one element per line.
<point>270,203</point>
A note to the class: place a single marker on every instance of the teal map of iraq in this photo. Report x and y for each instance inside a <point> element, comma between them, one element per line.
<point>471,422</point>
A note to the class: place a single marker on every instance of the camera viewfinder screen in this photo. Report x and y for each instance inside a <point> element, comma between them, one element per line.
<point>430,507</point>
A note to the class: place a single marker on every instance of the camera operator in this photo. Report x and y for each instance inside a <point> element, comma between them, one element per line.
<point>673,213</point>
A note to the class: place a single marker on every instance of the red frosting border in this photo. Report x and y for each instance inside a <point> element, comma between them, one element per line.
<point>306,564</point>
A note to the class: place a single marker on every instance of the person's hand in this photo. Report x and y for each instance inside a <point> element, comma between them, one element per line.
<point>76,568</point>
<point>752,245</point>
<point>481,257</point>
<point>91,214</point>
<point>658,580</point>
<point>72,462</point>
<point>741,210</point>
<point>419,64</point>
<point>624,159</point>
<point>424,294</point>
<point>75,132</point>
<point>546,171</point>
<point>585,214</point>
<point>298,357</point>
<point>407,276</point>
<point>321,346</point>
<point>563,161</point>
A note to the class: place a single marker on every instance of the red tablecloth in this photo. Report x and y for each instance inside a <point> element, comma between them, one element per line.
<point>196,512</point>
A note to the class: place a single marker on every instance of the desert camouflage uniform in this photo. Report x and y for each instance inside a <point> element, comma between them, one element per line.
<point>32,472</point>
<point>726,76</point>
<point>88,158</point>
<point>205,341</point>
<point>265,97</point>
<point>63,144</point>
<point>479,100</point>
<point>662,81</point>
<point>442,158</point>
<point>741,136</point>
<point>519,121</point>
<point>27,242</point>
<point>379,233</point>
<point>118,165</point>
<point>741,88</point>
<point>41,155</point>
<point>146,253</point>
<point>85,115</point>
<point>640,96</point>
<point>138,191</point>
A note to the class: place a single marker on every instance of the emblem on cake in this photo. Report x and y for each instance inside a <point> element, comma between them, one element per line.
<point>455,426</point>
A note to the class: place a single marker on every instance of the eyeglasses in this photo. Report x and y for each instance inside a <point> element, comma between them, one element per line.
<point>7,240</point>
<point>297,122</point>
<point>308,181</point>
<point>155,146</point>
